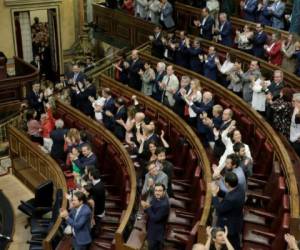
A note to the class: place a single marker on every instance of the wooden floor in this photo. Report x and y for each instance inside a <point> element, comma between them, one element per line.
<point>15,191</point>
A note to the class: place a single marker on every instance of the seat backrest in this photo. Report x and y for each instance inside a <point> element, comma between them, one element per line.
<point>44,195</point>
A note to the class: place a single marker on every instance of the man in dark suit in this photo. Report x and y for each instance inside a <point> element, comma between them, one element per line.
<point>209,64</point>
<point>98,194</point>
<point>87,158</point>
<point>194,52</point>
<point>80,220</point>
<point>224,31</point>
<point>205,25</point>
<point>158,212</point>
<point>108,109</point>
<point>230,209</point>
<point>259,40</point>
<point>120,118</point>
<point>76,75</point>
<point>180,103</point>
<point>35,99</point>
<point>181,54</point>
<point>58,138</point>
<point>249,8</point>
<point>273,92</point>
<point>159,75</point>
<point>136,65</point>
<point>82,98</point>
<point>158,47</point>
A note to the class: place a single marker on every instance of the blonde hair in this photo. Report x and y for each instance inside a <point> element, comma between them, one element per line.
<point>218,109</point>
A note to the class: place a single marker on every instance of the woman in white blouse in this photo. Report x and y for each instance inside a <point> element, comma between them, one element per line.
<point>194,95</point>
<point>244,39</point>
<point>229,141</point>
<point>259,95</point>
<point>154,11</point>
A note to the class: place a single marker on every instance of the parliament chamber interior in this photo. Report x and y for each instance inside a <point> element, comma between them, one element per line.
<point>150,124</point>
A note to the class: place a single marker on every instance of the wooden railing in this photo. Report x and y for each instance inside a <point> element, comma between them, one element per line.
<point>175,121</point>
<point>14,122</point>
<point>186,14</point>
<point>34,160</point>
<point>281,153</point>
<point>15,88</point>
<point>97,129</point>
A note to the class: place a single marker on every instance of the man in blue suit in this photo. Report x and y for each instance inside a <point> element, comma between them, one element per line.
<point>277,11</point>
<point>230,209</point>
<point>158,213</point>
<point>224,31</point>
<point>80,220</point>
<point>259,40</point>
<point>249,8</point>
<point>209,64</point>
<point>108,109</point>
<point>205,25</point>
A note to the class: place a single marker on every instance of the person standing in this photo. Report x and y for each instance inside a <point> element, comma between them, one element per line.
<point>98,195</point>
<point>158,212</point>
<point>230,209</point>
<point>79,219</point>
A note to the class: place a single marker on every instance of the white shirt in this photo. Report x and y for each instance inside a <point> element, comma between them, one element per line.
<point>76,214</point>
<point>295,128</point>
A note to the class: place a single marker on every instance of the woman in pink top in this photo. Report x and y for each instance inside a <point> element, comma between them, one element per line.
<point>34,127</point>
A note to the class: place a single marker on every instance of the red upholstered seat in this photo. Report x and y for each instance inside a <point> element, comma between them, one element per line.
<point>256,143</point>
<point>150,113</point>
<point>247,128</point>
<point>263,165</point>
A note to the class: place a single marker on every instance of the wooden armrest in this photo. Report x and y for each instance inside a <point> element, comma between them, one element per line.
<point>258,196</point>
<point>181,238</point>
<point>265,234</point>
<point>182,198</point>
<point>177,182</point>
<point>261,213</point>
<point>258,181</point>
<point>178,210</point>
<point>188,216</point>
<point>181,231</point>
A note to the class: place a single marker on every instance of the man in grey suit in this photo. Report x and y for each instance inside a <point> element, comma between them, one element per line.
<point>277,12</point>
<point>154,175</point>
<point>166,12</point>
<point>169,85</point>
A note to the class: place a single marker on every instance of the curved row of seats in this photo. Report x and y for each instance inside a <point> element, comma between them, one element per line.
<point>192,171</point>
<point>271,166</point>
<point>188,182</point>
<point>117,173</point>
<point>33,167</point>
<point>186,14</point>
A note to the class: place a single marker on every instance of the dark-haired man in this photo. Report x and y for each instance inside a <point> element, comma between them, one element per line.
<point>231,165</point>
<point>230,209</point>
<point>98,195</point>
<point>120,119</point>
<point>80,220</point>
<point>246,162</point>
<point>158,212</point>
<point>88,157</point>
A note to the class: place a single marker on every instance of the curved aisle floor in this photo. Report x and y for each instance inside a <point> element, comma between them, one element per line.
<point>15,191</point>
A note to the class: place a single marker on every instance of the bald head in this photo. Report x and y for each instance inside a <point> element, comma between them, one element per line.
<point>134,54</point>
